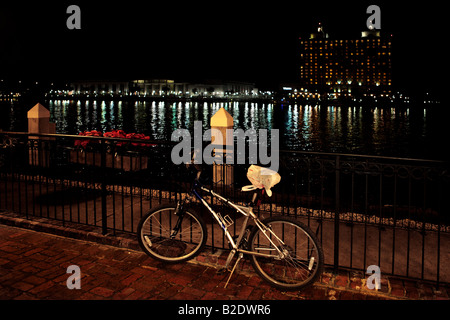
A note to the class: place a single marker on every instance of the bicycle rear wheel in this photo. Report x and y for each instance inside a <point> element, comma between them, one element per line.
<point>301,258</point>
<point>156,234</point>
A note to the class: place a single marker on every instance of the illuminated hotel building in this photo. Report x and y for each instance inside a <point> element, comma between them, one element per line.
<point>351,67</point>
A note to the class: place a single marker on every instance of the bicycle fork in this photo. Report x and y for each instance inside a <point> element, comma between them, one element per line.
<point>179,212</point>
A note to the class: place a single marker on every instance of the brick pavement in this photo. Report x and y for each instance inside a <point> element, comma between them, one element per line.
<point>33,265</point>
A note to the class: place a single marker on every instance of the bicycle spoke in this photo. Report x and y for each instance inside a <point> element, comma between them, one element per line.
<point>291,259</point>
<point>162,241</point>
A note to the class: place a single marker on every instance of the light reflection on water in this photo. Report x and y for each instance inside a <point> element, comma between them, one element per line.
<point>382,131</point>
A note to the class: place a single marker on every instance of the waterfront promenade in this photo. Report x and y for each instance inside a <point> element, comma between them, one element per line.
<point>356,205</point>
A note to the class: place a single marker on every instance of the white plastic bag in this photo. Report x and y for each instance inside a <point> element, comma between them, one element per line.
<point>263,178</point>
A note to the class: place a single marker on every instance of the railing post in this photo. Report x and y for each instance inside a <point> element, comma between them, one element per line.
<point>337,213</point>
<point>39,122</point>
<point>103,187</point>
<point>222,125</point>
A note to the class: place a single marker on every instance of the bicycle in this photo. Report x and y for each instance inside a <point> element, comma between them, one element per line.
<point>283,251</point>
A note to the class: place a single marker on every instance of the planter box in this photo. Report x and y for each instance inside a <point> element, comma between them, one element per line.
<point>125,162</point>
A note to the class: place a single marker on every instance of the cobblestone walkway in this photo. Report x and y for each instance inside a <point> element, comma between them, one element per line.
<point>33,265</point>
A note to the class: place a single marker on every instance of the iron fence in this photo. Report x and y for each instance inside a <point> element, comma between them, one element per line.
<point>366,210</point>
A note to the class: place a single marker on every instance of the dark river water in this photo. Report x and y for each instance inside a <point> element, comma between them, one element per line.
<point>402,132</point>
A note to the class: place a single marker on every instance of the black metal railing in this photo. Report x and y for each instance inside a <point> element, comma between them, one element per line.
<point>367,210</point>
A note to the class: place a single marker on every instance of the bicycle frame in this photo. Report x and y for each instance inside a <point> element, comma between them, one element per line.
<point>247,211</point>
<point>291,255</point>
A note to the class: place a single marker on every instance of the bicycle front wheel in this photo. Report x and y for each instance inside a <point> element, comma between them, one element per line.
<point>160,239</point>
<point>291,257</point>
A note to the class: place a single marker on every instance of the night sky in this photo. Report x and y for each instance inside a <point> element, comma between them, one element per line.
<point>195,40</point>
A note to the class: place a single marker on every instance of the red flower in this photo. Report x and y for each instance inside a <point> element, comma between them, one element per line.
<point>113,134</point>
<point>84,143</point>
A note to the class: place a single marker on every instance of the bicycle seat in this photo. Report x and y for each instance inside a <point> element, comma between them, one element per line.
<point>261,177</point>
